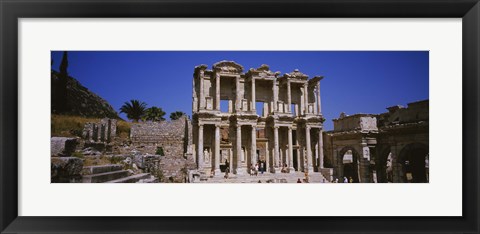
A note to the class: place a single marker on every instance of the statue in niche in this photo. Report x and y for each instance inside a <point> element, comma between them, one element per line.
<point>206,155</point>
<point>242,155</point>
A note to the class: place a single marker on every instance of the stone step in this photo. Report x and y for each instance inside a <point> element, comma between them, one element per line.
<point>131,179</point>
<point>266,178</point>
<point>101,169</point>
<point>103,177</point>
<point>152,179</point>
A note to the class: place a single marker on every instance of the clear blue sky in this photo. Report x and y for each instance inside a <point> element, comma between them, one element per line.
<point>355,82</point>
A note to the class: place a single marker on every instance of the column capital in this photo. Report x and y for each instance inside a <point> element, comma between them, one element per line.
<point>201,124</point>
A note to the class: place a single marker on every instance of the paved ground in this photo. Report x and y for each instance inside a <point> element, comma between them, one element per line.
<point>265,178</point>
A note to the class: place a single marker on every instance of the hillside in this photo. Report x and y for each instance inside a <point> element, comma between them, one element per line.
<point>79,100</point>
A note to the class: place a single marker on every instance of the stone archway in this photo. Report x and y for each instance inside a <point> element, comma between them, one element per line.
<point>414,160</point>
<point>349,164</point>
<point>384,162</point>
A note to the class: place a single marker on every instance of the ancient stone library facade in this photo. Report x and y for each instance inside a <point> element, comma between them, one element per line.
<point>258,116</point>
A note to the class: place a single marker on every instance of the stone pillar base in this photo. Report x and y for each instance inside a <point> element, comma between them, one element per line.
<point>241,171</point>
<point>310,170</point>
<point>218,172</point>
<point>291,170</point>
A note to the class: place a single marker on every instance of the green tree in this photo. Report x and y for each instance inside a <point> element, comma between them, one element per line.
<point>176,115</point>
<point>134,109</point>
<point>64,65</point>
<point>154,114</point>
<point>59,94</point>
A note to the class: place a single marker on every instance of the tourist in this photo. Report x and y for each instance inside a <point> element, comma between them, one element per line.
<point>226,163</point>
<point>262,169</point>
<point>306,177</point>
<point>227,170</point>
<point>252,169</point>
<point>345,180</point>
<point>299,181</point>
<point>256,169</point>
<point>350,180</point>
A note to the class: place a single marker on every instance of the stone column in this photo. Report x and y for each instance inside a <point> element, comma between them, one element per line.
<point>299,162</point>
<point>254,145</point>
<point>194,96</point>
<point>200,147</point>
<point>275,96</point>
<point>201,100</point>
<point>306,98</point>
<point>276,149</point>
<point>253,96</point>
<point>290,150</point>
<point>319,100</point>
<point>238,147</point>
<point>217,91</point>
<point>289,97</point>
<point>267,158</point>
<point>237,94</point>
<point>230,160</point>
<point>217,149</point>
<point>309,149</point>
<point>320,147</point>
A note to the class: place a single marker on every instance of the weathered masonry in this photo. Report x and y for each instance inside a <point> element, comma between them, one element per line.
<point>389,147</point>
<point>241,119</point>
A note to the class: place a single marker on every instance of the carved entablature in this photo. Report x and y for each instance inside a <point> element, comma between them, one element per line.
<point>263,72</point>
<point>315,80</point>
<point>228,67</point>
<point>296,74</point>
<point>199,68</point>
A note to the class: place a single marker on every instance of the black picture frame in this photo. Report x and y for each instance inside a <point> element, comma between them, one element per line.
<point>11,11</point>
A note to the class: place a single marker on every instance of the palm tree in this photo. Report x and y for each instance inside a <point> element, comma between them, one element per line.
<point>154,114</point>
<point>176,115</point>
<point>134,109</point>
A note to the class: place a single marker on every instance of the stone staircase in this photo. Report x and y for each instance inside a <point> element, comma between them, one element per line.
<point>264,178</point>
<point>114,173</point>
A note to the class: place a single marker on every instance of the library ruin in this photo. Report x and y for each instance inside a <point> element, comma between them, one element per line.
<point>265,118</point>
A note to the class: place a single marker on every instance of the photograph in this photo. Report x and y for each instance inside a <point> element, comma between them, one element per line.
<point>276,116</point>
<point>239,117</point>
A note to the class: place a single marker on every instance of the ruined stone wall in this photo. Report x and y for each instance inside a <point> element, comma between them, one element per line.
<point>355,122</point>
<point>328,150</point>
<point>175,169</point>
<point>173,136</point>
<point>413,113</point>
<point>103,131</point>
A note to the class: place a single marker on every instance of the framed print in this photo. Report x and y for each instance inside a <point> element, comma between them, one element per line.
<point>270,116</point>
